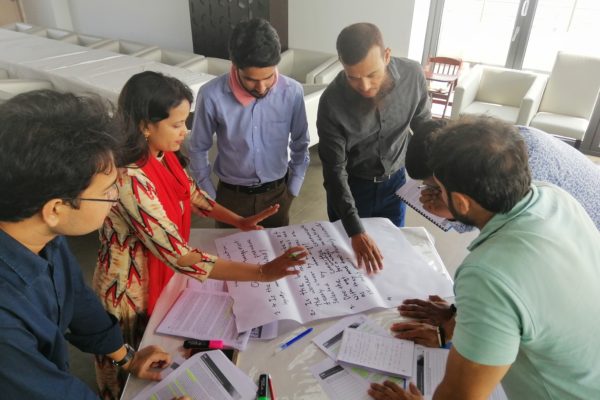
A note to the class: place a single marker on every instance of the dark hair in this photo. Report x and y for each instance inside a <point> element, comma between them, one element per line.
<point>354,42</point>
<point>254,43</point>
<point>147,97</point>
<point>52,145</point>
<point>417,151</point>
<point>484,158</point>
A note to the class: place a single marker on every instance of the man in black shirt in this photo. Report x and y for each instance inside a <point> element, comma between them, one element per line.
<point>364,121</point>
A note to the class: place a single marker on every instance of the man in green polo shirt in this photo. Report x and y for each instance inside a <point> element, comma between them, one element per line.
<point>526,296</point>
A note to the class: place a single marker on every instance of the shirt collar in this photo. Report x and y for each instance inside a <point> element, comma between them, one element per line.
<point>500,220</point>
<point>22,261</point>
<point>241,95</point>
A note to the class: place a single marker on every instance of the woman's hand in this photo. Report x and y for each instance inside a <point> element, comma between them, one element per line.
<point>251,223</point>
<point>282,266</point>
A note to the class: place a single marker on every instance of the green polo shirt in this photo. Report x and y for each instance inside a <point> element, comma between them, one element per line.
<point>528,295</point>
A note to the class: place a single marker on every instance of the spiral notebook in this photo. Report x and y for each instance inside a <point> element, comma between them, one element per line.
<point>410,193</point>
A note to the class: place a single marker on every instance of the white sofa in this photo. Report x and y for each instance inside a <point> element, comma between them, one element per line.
<point>507,94</point>
<point>570,96</point>
<point>305,65</point>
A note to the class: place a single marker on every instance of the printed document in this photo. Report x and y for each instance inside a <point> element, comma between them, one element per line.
<point>204,315</point>
<point>329,284</point>
<point>208,375</point>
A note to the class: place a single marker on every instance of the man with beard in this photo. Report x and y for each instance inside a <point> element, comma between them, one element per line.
<point>364,121</point>
<point>526,295</point>
<point>258,116</point>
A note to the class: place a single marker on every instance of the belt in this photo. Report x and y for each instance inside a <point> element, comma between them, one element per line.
<point>256,189</point>
<point>376,179</point>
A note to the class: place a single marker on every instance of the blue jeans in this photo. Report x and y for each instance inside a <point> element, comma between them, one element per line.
<point>375,199</point>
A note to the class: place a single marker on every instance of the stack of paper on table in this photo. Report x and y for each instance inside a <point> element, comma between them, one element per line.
<point>208,375</point>
<point>386,355</point>
<point>204,315</point>
<point>329,284</point>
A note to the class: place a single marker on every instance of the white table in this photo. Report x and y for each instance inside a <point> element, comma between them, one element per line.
<point>80,69</point>
<point>289,368</point>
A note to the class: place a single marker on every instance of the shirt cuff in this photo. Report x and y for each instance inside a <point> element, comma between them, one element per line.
<point>352,225</point>
<point>207,186</point>
<point>294,185</point>
<point>104,342</point>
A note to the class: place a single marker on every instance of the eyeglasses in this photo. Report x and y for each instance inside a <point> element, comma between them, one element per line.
<point>112,195</point>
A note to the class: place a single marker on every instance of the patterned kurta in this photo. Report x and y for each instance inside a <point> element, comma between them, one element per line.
<point>136,225</point>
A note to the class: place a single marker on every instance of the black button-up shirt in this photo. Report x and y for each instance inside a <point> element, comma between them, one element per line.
<point>43,303</point>
<point>365,138</point>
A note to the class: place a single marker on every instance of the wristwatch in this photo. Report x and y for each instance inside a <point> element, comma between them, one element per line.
<point>127,358</point>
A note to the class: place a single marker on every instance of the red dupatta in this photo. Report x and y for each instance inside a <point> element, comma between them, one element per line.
<point>173,191</point>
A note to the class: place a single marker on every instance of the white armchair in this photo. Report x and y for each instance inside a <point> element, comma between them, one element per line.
<point>570,96</point>
<point>208,65</point>
<point>176,58</point>
<point>507,94</point>
<point>13,87</point>
<point>304,65</point>
<point>122,47</point>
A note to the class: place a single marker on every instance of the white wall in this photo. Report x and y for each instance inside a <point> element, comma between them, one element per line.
<point>48,13</point>
<point>315,24</point>
<point>164,23</point>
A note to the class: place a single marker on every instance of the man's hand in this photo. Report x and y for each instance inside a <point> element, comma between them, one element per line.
<point>251,223</point>
<point>367,253</point>
<point>436,311</point>
<point>148,359</point>
<point>418,332</point>
<point>391,391</point>
<point>432,201</point>
<point>280,266</point>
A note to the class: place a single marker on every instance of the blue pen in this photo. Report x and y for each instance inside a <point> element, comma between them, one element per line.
<point>293,340</point>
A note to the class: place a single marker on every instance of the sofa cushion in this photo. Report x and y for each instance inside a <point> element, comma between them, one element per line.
<point>505,113</point>
<point>558,124</point>
<point>502,86</point>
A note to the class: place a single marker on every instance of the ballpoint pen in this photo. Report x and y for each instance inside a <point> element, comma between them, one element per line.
<point>293,340</point>
<point>271,388</point>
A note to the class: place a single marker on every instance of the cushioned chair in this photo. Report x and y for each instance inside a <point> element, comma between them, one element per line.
<point>304,65</point>
<point>507,94</point>
<point>176,58</point>
<point>22,27</point>
<point>208,65</point>
<point>57,34</point>
<point>12,87</point>
<point>570,96</point>
<point>122,47</point>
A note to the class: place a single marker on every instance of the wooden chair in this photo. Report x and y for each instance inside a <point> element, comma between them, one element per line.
<point>442,76</point>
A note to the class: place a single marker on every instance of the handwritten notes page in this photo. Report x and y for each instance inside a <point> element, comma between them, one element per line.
<point>329,284</point>
<point>387,355</point>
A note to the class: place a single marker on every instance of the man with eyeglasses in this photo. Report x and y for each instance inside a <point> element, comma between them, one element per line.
<point>364,121</point>
<point>259,118</point>
<point>58,178</point>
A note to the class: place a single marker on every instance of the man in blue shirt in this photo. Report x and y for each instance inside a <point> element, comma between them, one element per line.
<point>58,175</point>
<point>259,117</point>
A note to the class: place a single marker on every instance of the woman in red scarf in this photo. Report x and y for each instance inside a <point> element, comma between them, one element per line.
<point>144,239</point>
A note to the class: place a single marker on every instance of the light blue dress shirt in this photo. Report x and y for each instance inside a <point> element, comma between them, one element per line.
<point>256,144</point>
<point>554,161</point>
